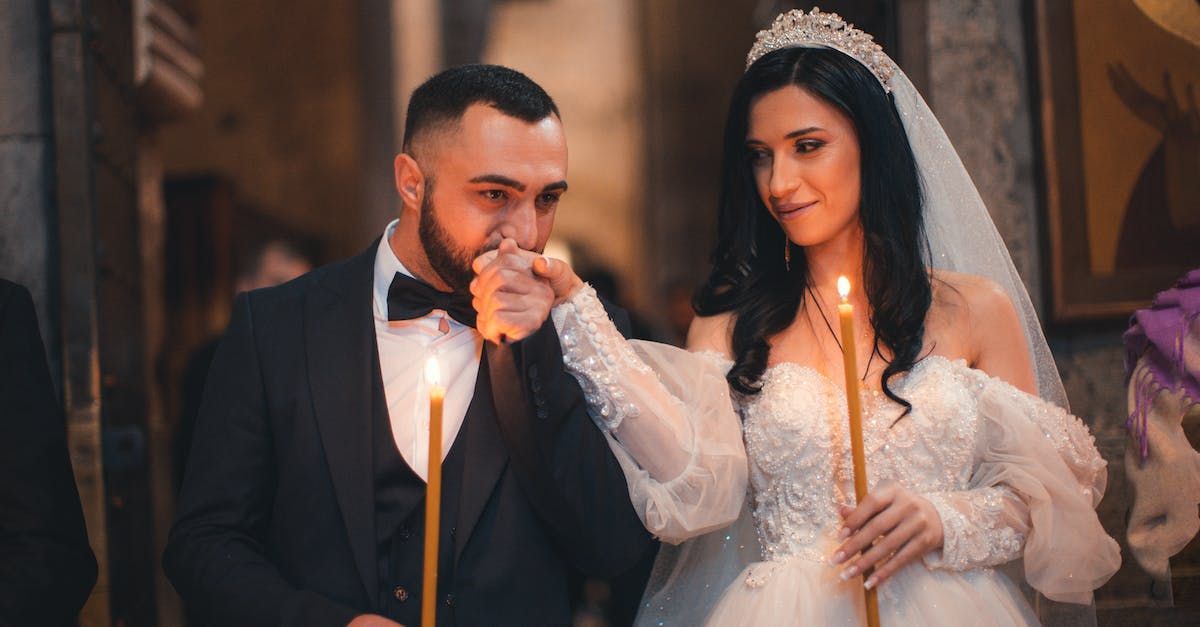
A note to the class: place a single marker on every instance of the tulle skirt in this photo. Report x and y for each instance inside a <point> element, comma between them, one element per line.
<point>805,592</point>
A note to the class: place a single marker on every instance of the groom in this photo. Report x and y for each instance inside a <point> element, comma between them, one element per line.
<point>304,496</point>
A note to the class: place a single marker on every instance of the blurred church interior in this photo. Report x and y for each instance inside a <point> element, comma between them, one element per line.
<point>149,149</point>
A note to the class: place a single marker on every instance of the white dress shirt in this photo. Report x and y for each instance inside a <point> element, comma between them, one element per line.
<point>404,347</point>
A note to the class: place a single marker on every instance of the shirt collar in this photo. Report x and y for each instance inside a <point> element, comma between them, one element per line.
<point>386,267</point>
<point>387,264</point>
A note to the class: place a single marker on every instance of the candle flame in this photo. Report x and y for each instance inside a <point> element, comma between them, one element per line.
<point>843,285</point>
<point>433,372</point>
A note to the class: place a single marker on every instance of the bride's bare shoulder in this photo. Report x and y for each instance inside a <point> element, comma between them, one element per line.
<point>970,294</point>
<point>712,333</point>
<point>976,319</point>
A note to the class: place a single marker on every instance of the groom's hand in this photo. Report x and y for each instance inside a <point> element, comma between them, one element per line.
<point>512,302</point>
<point>557,273</point>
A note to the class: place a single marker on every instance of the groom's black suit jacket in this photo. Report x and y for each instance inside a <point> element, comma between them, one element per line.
<point>277,517</point>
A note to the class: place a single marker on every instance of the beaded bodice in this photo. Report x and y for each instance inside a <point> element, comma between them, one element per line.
<point>796,432</point>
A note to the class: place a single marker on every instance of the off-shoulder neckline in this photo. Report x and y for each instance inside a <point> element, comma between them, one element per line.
<point>955,363</point>
<point>918,367</point>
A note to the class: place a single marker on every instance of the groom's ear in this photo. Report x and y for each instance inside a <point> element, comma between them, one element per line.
<point>410,180</point>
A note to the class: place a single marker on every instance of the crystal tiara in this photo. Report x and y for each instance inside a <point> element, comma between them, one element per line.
<point>796,29</point>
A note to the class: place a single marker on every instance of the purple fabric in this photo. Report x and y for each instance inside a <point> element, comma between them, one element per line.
<point>1157,334</point>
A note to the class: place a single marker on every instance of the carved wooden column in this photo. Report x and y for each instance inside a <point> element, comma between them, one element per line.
<point>117,70</point>
<point>72,115</point>
<point>167,73</point>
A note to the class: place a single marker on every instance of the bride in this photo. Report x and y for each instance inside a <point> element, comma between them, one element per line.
<point>834,165</point>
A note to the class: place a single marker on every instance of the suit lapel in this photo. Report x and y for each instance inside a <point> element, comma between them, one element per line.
<point>485,456</point>
<point>343,371</point>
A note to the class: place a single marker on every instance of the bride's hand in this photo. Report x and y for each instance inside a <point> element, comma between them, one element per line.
<point>890,521</point>
<point>557,273</point>
<point>514,290</point>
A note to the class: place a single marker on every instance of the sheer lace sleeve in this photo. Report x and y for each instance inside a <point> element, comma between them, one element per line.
<point>980,527</point>
<point>1032,494</point>
<point>669,419</point>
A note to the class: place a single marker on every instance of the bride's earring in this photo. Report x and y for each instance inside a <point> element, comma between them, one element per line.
<point>787,253</point>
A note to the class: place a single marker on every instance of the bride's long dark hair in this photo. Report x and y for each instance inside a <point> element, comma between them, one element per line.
<point>749,277</point>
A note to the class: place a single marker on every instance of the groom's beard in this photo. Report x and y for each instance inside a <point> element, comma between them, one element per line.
<point>451,263</point>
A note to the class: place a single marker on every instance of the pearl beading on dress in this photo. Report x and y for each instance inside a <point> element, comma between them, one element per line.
<point>597,355</point>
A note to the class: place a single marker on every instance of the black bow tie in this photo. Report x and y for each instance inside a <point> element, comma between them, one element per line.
<point>409,298</point>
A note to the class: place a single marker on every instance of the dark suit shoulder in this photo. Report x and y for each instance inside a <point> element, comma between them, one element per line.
<point>282,296</point>
<point>47,569</point>
<point>18,318</point>
<point>14,293</point>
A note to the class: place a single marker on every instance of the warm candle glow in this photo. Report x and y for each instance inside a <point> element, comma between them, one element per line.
<point>843,285</point>
<point>433,372</point>
<point>433,493</point>
<point>854,409</point>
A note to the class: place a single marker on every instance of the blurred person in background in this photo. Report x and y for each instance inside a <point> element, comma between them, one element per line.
<point>272,262</point>
<point>608,286</point>
<point>47,568</point>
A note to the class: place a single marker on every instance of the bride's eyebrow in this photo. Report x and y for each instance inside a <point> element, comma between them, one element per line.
<point>802,132</point>
<point>792,135</point>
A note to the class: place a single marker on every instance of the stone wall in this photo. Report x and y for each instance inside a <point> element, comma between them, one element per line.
<point>26,223</point>
<point>979,90</point>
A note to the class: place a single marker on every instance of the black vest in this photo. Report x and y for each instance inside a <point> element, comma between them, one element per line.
<point>400,514</point>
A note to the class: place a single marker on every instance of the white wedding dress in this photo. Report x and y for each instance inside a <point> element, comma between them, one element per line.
<point>1012,477</point>
<point>1009,474</point>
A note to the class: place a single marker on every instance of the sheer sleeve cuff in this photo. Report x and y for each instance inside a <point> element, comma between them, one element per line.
<point>981,527</point>
<point>596,353</point>
<point>669,420</point>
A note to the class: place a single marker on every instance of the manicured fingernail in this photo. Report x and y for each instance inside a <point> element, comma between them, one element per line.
<point>839,557</point>
<point>844,533</point>
<point>870,583</point>
<point>848,573</point>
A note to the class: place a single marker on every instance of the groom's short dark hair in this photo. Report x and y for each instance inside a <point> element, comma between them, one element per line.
<point>444,98</point>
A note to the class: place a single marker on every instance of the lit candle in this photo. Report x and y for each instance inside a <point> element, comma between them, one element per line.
<point>854,407</point>
<point>433,493</point>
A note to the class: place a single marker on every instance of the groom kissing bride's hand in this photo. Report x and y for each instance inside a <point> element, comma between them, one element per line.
<point>515,289</point>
